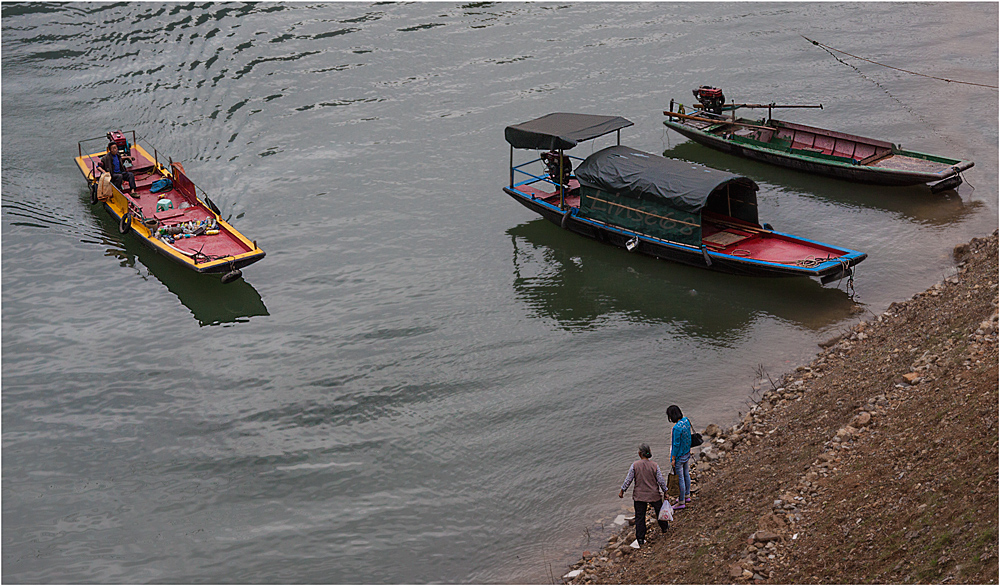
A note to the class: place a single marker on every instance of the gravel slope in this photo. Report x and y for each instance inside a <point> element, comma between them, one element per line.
<point>877,462</point>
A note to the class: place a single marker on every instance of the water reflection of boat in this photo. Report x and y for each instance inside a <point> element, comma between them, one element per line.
<point>915,202</point>
<point>584,284</point>
<point>210,301</point>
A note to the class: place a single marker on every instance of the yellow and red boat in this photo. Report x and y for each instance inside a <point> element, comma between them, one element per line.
<point>165,212</point>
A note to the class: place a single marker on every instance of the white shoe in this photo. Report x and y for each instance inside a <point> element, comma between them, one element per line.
<point>635,544</point>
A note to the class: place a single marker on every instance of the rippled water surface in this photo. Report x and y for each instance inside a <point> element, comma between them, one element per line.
<point>422,382</point>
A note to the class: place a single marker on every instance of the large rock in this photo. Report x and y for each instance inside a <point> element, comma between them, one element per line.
<point>713,430</point>
<point>735,571</point>
<point>771,524</point>
<point>764,536</point>
<point>862,419</point>
<point>845,433</point>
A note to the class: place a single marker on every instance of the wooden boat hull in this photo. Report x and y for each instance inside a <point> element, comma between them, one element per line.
<point>221,250</point>
<point>689,255</point>
<point>822,152</point>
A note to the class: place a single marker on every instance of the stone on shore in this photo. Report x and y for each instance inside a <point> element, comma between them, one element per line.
<point>764,536</point>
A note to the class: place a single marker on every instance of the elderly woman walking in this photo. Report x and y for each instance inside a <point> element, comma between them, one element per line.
<point>648,484</point>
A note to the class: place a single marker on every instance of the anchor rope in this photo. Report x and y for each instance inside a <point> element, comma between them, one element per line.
<point>818,44</point>
<point>906,107</point>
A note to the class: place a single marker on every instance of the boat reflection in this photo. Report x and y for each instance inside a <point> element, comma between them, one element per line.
<point>583,284</point>
<point>916,203</point>
<point>210,301</point>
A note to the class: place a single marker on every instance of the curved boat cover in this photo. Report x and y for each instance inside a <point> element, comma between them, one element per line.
<point>561,130</point>
<point>685,186</point>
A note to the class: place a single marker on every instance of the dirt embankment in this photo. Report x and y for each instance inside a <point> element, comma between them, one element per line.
<point>877,462</point>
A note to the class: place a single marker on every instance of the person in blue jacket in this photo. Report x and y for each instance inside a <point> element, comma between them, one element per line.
<point>680,453</point>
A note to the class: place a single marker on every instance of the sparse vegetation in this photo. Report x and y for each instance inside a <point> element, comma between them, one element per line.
<point>876,463</point>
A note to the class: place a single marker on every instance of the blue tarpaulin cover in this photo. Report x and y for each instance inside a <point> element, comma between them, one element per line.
<point>161,185</point>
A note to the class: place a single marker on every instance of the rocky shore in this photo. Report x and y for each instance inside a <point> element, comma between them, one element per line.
<point>877,462</point>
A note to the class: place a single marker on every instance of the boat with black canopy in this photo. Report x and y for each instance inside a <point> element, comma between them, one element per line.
<point>661,207</point>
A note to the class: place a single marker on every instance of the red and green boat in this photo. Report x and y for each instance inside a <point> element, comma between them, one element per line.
<point>714,124</point>
<point>165,212</point>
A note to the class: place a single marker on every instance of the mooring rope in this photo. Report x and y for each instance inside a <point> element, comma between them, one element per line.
<point>818,44</point>
<point>904,106</point>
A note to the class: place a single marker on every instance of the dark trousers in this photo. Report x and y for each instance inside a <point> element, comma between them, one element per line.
<point>640,518</point>
<point>117,178</point>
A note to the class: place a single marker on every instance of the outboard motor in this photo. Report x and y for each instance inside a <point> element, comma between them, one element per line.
<point>117,137</point>
<point>711,98</point>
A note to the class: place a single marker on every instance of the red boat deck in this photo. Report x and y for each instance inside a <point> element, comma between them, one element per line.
<point>184,209</point>
<point>764,246</point>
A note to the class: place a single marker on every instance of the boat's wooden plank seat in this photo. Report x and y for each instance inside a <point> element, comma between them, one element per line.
<point>844,148</point>
<point>177,216</point>
<point>724,238</point>
<point>863,151</point>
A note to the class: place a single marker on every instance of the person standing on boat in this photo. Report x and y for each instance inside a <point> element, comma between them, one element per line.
<point>648,484</point>
<point>114,163</point>
<point>680,453</point>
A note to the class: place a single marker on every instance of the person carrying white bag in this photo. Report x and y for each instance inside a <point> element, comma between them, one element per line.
<point>649,483</point>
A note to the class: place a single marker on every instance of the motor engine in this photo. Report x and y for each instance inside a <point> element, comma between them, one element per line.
<point>711,98</point>
<point>117,137</point>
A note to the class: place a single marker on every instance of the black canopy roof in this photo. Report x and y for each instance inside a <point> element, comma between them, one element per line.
<point>561,130</point>
<point>684,185</point>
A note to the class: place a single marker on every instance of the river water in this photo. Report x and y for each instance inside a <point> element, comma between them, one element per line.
<point>422,382</point>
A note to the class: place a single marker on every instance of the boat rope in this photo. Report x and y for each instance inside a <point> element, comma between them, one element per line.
<point>828,48</point>
<point>906,107</point>
<point>960,174</point>
<point>808,262</point>
<point>846,268</point>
